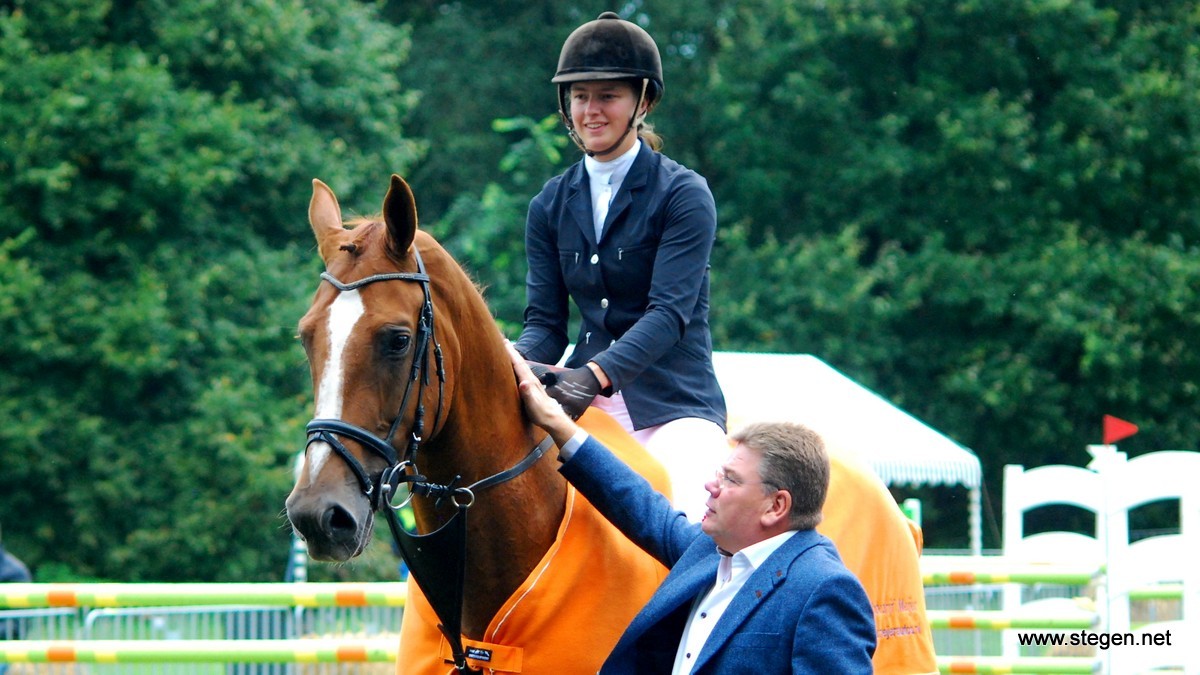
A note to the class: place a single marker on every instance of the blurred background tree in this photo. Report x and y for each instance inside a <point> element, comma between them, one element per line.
<point>984,210</point>
<point>157,160</point>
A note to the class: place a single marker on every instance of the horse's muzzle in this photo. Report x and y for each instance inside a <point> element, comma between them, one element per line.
<point>334,532</point>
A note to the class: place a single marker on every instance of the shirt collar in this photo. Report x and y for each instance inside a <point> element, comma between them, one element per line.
<point>756,554</point>
<point>613,171</point>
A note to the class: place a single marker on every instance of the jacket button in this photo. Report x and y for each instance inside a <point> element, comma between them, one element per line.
<point>595,258</point>
<point>604,303</point>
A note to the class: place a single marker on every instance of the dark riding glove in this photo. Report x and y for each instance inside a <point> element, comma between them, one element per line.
<point>546,374</point>
<point>574,390</point>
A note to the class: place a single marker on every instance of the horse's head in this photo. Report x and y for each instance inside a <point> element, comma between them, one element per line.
<point>375,362</point>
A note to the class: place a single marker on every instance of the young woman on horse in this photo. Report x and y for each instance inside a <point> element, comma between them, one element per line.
<point>626,233</point>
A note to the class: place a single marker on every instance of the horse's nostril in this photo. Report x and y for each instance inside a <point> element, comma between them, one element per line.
<point>339,520</point>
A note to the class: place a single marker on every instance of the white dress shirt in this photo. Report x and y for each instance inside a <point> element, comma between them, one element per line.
<point>732,573</point>
<point>606,179</point>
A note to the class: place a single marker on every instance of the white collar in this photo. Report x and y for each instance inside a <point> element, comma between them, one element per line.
<point>756,554</point>
<point>613,171</point>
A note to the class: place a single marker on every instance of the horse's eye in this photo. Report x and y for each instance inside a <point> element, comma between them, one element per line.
<point>398,342</point>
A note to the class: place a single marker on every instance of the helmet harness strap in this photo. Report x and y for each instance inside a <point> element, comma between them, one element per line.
<point>564,110</point>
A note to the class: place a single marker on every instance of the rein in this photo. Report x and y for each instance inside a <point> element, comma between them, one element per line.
<point>426,555</point>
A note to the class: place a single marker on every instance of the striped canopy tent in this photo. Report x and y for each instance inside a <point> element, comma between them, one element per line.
<point>902,449</point>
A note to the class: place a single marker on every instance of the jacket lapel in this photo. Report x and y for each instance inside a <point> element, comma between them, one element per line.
<point>635,180</point>
<point>758,588</point>
<point>683,584</point>
<point>579,203</point>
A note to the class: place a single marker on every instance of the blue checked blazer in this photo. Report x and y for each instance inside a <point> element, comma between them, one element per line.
<point>802,611</point>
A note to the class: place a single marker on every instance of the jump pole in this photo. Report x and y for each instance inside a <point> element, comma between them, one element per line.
<point>332,594</point>
<point>201,651</point>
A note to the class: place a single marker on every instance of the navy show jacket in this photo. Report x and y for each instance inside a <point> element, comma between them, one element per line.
<point>641,290</point>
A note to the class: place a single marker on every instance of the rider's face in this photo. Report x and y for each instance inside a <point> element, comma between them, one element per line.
<point>601,111</point>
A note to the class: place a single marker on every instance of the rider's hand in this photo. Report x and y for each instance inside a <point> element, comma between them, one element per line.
<point>575,389</point>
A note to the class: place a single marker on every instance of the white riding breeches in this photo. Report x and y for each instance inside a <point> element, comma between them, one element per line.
<point>691,449</point>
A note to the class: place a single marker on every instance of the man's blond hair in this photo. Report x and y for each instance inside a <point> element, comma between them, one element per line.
<point>792,458</point>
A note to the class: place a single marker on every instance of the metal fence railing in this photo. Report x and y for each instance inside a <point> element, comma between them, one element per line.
<point>330,630</point>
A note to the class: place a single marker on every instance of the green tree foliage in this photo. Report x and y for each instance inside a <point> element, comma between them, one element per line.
<point>964,205</point>
<point>489,115</point>
<point>489,120</point>
<point>988,209</point>
<point>982,209</point>
<point>487,233</point>
<point>157,160</point>
<point>474,63</point>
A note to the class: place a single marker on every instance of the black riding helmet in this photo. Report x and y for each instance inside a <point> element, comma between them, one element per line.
<point>608,48</point>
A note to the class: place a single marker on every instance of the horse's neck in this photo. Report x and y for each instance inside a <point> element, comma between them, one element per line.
<point>510,526</point>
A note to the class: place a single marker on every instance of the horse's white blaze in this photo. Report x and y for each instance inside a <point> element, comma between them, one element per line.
<point>344,313</point>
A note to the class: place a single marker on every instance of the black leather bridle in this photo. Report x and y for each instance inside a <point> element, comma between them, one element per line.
<point>427,556</point>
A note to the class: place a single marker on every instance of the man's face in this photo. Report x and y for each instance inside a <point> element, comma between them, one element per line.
<point>738,500</point>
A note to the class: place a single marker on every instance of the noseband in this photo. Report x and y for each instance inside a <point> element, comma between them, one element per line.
<point>435,560</point>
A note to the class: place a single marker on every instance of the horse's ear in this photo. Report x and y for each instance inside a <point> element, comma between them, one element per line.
<point>325,216</point>
<point>400,214</point>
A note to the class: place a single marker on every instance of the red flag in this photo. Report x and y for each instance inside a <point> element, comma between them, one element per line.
<point>1116,428</point>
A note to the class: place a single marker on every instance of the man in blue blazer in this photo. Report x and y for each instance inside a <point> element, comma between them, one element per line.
<point>753,588</point>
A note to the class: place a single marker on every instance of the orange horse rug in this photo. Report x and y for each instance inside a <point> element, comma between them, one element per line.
<point>883,549</point>
<point>569,613</point>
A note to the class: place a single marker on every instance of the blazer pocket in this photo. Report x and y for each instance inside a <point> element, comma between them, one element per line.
<point>568,263</point>
<point>753,653</point>
<point>755,641</point>
<point>637,255</point>
<point>568,259</point>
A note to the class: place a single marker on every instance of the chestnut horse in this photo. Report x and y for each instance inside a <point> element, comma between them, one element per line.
<point>415,399</point>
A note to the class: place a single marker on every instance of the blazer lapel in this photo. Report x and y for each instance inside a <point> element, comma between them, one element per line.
<point>683,584</point>
<point>758,588</point>
<point>635,180</point>
<point>579,204</point>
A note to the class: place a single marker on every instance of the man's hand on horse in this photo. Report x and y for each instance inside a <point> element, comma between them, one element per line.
<point>543,410</point>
